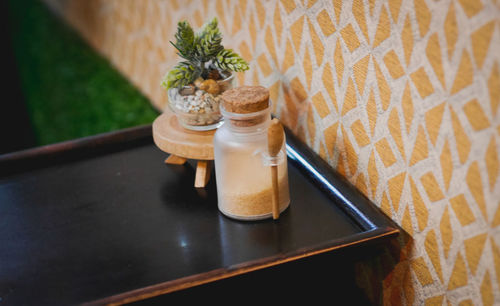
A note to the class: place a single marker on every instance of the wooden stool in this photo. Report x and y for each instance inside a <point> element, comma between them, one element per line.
<point>184,144</point>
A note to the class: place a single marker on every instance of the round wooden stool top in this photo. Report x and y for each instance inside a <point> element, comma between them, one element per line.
<point>172,138</point>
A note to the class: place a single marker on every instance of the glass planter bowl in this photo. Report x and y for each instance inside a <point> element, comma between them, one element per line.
<point>198,110</point>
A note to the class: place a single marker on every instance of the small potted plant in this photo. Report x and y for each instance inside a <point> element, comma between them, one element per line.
<point>195,84</point>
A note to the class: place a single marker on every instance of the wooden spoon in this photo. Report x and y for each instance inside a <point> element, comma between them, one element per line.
<point>275,138</point>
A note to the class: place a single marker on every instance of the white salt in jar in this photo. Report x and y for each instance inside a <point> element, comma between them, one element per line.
<point>242,163</point>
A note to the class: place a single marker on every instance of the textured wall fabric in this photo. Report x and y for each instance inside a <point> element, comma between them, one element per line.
<point>400,96</point>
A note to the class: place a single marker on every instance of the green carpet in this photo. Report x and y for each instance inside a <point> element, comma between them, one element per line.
<point>70,90</point>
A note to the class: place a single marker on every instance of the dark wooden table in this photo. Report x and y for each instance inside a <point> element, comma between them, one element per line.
<point>104,220</point>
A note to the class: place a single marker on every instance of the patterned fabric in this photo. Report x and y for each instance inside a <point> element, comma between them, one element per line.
<point>400,96</point>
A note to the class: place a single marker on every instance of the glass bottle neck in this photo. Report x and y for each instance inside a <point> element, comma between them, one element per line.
<point>251,126</point>
<point>250,123</point>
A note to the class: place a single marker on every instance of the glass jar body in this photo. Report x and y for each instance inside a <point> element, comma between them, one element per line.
<point>198,110</point>
<point>243,170</point>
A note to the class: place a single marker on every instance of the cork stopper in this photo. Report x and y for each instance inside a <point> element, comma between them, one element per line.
<point>245,99</point>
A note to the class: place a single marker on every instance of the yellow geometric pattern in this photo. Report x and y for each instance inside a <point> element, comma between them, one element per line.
<point>402,97</point>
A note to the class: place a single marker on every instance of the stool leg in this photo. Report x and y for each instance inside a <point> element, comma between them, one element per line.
<point>175,160</point>
<point>203,169</point>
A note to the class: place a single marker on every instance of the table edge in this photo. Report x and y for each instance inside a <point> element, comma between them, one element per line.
<point>187,282</point>
<point>47,155</point>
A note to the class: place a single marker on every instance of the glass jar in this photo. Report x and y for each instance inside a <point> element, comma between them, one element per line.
<point>243,166</point>
<point>196,109</point>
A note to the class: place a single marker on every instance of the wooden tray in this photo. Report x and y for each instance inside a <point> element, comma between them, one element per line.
<point>103,220</point>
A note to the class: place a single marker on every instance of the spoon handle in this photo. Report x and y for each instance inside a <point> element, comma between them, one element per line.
<point>276,210</point>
